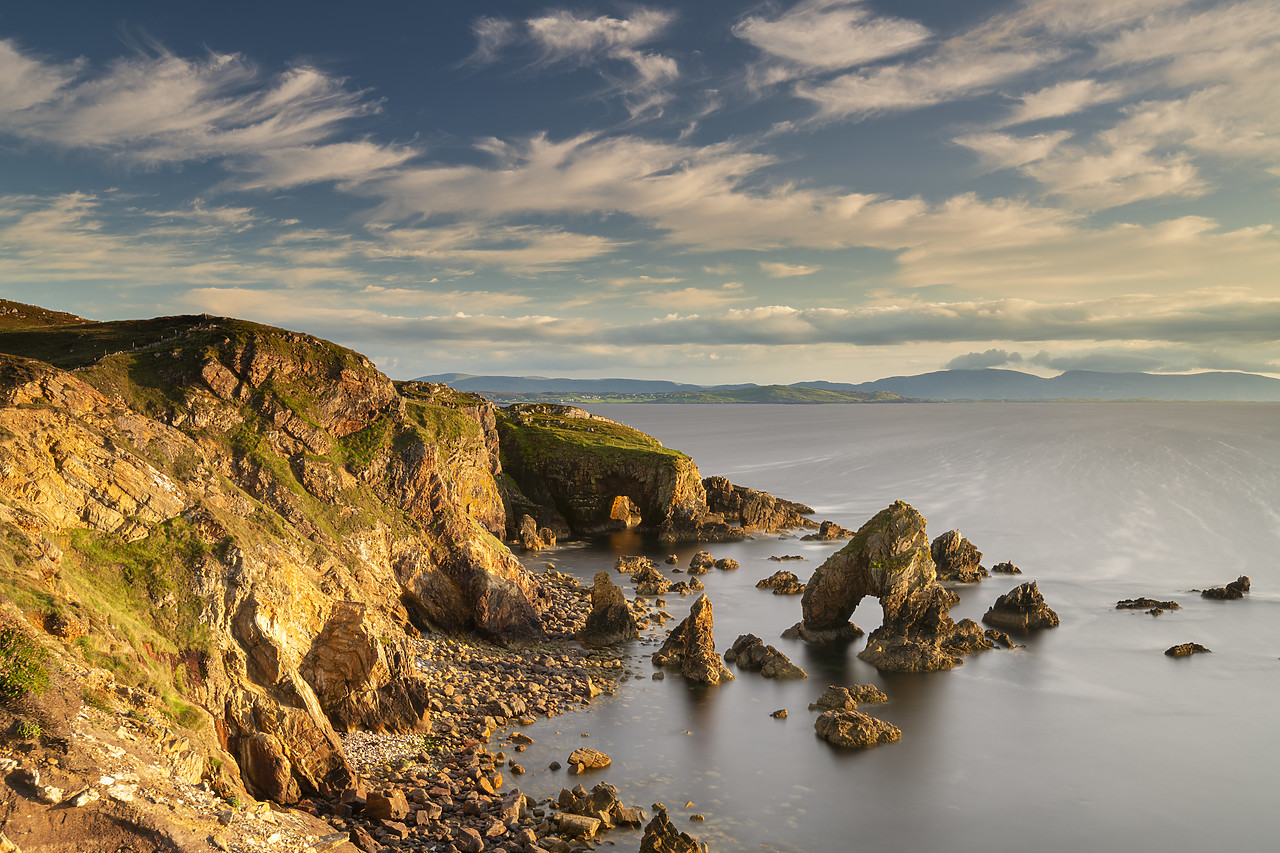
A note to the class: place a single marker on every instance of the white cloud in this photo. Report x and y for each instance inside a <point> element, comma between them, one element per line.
<point>691,298</point>
<point>26,82</point>
<point>1063,99</point>
<point>563,36</point>
<point>781,270</point>
<point>829,35</point>
<point>280,168</point>
<point>1003,151</point>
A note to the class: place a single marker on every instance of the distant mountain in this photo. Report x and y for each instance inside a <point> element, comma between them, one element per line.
<point>993,384</point>
<point>984,384</point>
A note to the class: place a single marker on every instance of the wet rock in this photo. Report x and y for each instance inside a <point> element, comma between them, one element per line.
<point>1186,649</point>
<point>887,558</point>
<point>534,538</point>
<point>1005,568</point>
<point>628,565</point>
<point>701,562</point>
<point>1021,609</point>
<point>827,532</point>
<point>726,564</point>
<point>588,759</point>
<point>780,714</point>
<point>999,639</point>
<point>1232,591</point>
<point>848,698</point>
<point>782,583</point>
<point>750,652</point>
<point>1146,603</point>
<point>955,558</point>
<point>691,647</point>
<point>854,729</point>
<point>661,836</point>
<point>967,638</point>
<point>611,621</point>
<point>786,558</point>
<point>672,559</point>
<point>649,581</point>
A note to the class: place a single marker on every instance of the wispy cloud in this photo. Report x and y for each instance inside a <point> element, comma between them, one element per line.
<point>775,269</point>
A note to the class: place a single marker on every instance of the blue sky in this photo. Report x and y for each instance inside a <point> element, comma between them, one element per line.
<point>709,192</point>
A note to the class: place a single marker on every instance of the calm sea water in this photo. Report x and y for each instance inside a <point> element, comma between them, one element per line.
<point>1088,739</point>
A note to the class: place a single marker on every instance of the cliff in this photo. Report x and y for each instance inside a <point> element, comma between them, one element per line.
<point>250,523</point>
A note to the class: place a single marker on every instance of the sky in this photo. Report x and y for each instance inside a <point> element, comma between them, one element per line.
<point>707,192</point>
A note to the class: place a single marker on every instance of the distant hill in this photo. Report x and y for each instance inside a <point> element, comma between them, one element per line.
<point>781,394</point>
<point>19,315</point>
<point>542,384</point>
<point>994,384</point>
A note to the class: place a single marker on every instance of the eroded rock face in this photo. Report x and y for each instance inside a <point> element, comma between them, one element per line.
<point>1021,609</point>
<point>751,509</point>
<point>611,621</point>
<point>956,559</point>
<point>854,729</point>
<point>889,559</point>
<point>691,647</point>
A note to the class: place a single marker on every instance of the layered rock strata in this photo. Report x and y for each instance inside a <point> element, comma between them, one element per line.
<point>691,647</point>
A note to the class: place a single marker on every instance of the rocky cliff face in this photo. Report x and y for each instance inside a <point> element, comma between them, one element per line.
<point>252,521</point>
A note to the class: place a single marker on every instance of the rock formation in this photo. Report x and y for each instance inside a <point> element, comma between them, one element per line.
<point>827,532</point>
<point>661,836</point>
<point>1146,603</point>
<point>649,581</point>
<point>691,647</point>
<point>751,509</point>
<point>1005,568</point>
<point>701,562</point>
<point>887,558</point>
<point>854,729</point>
<point>534,538</point>
<point>956,559</point>
<point>610,621</point>
<point>1232,591</point>
<point>726,564</point>
<point>749,652</point>
<point>848,698</point>
<point>1021,609</point>
<point>1185,650</point>
<point>782,583</point>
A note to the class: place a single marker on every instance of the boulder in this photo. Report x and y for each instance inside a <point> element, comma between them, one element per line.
<point>750,652</point>
<point>1232,591</point>
<point>691,647</point>
<point>600,803</point>
<point>782,583</point>
<point>854,729</point>
<point>390,804</point>
<point>661,836</point>
<point>1021,609</point>
<point>827,532</point>
<point>1005,568</point>
<point>726,564</point>
<point>700,562</point>
<point>610,621</point>
<point>628,565</point>
<point>649,581</point>
<point>1186,649</point>
<point>888,558</point>
<point>847,698</point>
<point>955,558</point>
<point>534,538</point>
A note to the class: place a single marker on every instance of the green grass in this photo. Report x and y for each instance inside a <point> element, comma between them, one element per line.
<point>24,664</point>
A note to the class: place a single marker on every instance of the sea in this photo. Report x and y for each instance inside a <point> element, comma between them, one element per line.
<point>1089,738</point>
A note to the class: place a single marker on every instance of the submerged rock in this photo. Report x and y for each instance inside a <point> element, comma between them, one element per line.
<point>691,647</point>
<point>610,621</point>
<point>1185,649</point>
<point>1145,603</point>
<point>956,559</point>
<point>782,583</point>
<point>750,652</point>
<point>854,729</point>
<point>1232,591</point>
<point>1021,609</point>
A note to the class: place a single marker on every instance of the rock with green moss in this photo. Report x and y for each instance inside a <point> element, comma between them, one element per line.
<point>888,558</point>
